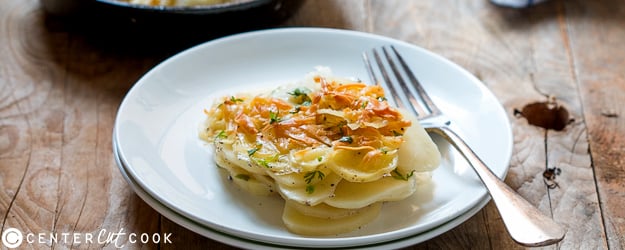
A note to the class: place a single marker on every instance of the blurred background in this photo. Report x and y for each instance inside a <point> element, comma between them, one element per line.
<point>150,24</point>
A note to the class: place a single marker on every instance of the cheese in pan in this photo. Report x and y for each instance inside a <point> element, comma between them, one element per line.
<point>176,2</point>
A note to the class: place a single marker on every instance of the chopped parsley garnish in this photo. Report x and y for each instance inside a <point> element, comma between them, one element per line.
<point>242,177</point>
<point>311,176</point>
<point>310,189</point>
<point>265,161</point>
<point>273,117</point>
<point>395,133</point>
<point>300,96</point>
<point>320,158</point>
<point>381,98</point>
<point>299,92</point>
<point>222,135</point>
<point>252,151</point>
<point>347,139</point>
<point>234,99</point>
<point>399,176</point>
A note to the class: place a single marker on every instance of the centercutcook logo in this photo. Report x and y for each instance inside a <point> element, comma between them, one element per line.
<point>13,238</point>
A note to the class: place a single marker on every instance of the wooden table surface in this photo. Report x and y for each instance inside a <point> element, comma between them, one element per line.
<point>59,93</point>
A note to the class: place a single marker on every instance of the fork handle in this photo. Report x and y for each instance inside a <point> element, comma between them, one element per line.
<point>524,222</point>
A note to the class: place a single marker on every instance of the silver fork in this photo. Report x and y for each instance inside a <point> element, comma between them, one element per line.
<point>524,222</point>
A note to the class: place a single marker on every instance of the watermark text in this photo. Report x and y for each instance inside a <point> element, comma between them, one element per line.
<point>13,238</point>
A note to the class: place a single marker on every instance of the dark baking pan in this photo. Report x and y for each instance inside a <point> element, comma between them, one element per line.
<point>111,21</point>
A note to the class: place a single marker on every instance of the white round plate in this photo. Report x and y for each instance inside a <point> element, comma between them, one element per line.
<point>157,125</point>
<point>248,244</point>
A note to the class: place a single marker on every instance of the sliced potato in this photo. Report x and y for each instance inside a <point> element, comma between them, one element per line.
<point>418,152</point>
<point>312,194</point>
<point>231,154</point>
<point>300,179</point>
<point>299,223</point>
<point>334,154</point>
<point>253,183</point>
<point>309,159</point>
<point>361,164</point>
<point>352,195</point>
<point>322,210</point>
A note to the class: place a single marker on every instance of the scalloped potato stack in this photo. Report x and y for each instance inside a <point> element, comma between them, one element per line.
<point>334,149</point>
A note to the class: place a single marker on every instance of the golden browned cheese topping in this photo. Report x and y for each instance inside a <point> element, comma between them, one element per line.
<point>340,115</point>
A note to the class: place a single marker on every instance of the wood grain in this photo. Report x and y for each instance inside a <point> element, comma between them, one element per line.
<point>347,14</point>
<point>60,90</point>
<point>58,174</point>
<point>601,80</point>
<point>519,70</point>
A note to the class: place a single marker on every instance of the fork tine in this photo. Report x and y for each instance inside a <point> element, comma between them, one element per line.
<point>386,81</point>
<point>399,101</point>
<point>409,97</point>
<point>418,88</point>
<point>369,67</point>
<point>397,77</point>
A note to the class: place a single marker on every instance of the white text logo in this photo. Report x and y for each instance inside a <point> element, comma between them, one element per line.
<point>13,238</point>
